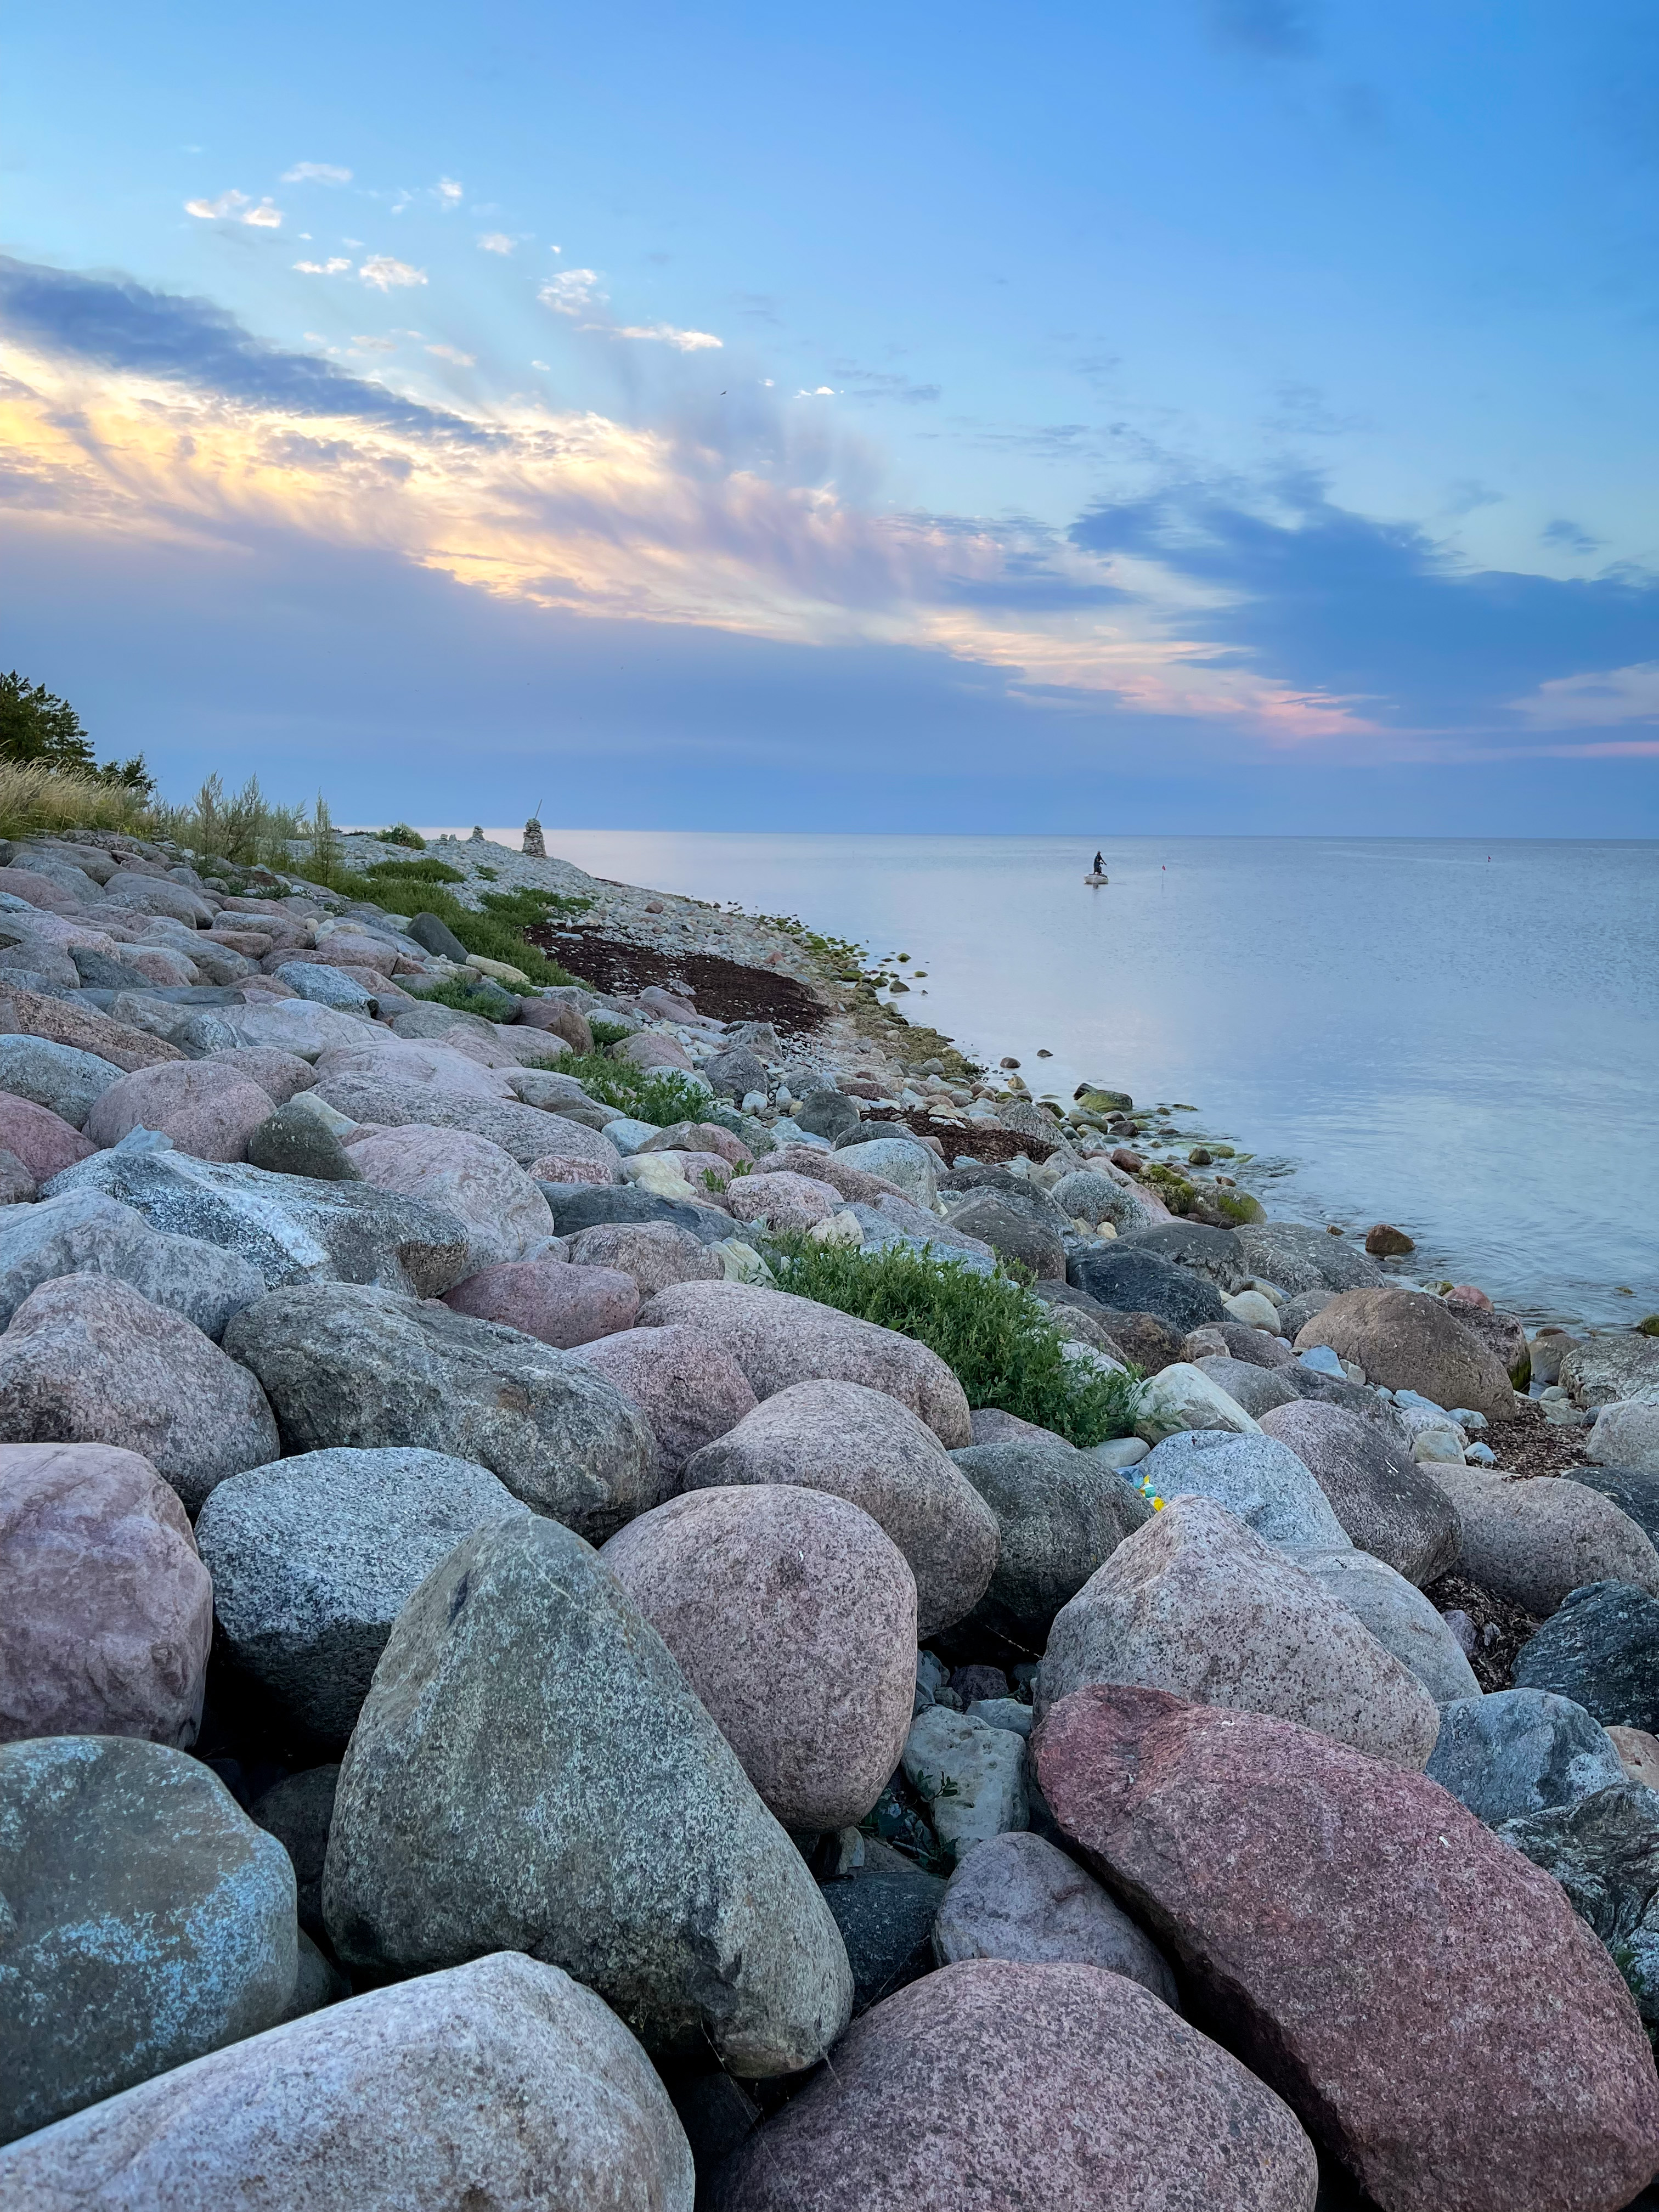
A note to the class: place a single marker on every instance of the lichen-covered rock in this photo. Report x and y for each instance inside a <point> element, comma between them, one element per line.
<point>971,1775</point>
<point>1601,1650</point>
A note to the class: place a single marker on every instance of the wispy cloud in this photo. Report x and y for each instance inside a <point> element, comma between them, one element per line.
<point>661,334</point>
<point>337,266</point>
<point>572,292</point>
<point>453,353</point>
<point>316,172</point>
<point>236,207</point>
<point>1569,537</point>
<point>1595,701</point>
<point>496,241</point>
<point>382,274</point>
<point>448,190</point>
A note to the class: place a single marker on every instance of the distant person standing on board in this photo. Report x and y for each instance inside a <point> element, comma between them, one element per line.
<point>1099,868</point>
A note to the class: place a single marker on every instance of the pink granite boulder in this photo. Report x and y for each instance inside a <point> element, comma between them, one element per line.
<point>24,884</point>
<point>1410,1341</point>
<point>567,1167</point>
<point>654,1253</point>
<point>782,1201</point>
<point>280,1075</point>
<point>43,1141</point>
<point>557,1018</point>
<point>993,2085</point>
<point>562,1305</point>
<point>1422,1996</point>
<point>208,1111</point>
<point>700,1137</point>
<point>795,1620</point>
<point>108,1613</point>
<point>505,1216</point>
<point>690,1390</point>
<point>651,1050</point>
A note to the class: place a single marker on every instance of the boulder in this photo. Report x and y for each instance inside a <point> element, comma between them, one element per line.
<point>654,1253</point>
<point>865,1446</point>
<point>506,1215</point>
<point>42,1141</point>
<point>970,1774</point>
<point>1627,1436</point>
<point>1466,2045</point>
<point>1060,1514</point>
<point>500,2083</point>
<point>442,1068</point>
<point>149,1921</point>
<point>794,1619</point>
<point>280,1075</point>
<point>1603,1849</point>
<point>1214,1254</point>
<point>1385,1502</point>
<point>1410,1341</point>
<point>1182,1399</point>
<point>736,1072</point>
<point>550,1299</point>
<point>1397,1615</point>
<point>108,1613</point>
<point>1092,1195</point>
<point>345,1365</point>
<point>87,1360</point>
<point>83,1233</point>
<point>1601,1650</point>
<point>1196,1603</point>
<point>1122,1276</point>
<point>1531,1542</point>
<point>1255,1478</point>
<point>1631,1490</point>
<point>313,1557</point>
<point>886,1922</point>
<point>39,890</point>
<point>290,1228</point>
<point>296,1140</point>
<point>909,1167</point>
<point>1602,1369</point>
<point>207,1110</point>
<point>1258,1388</point>
<point>778,1338</point>
<point>1298,1259</point>
<point>1018,1897</point>
<point>992,2084</point>
<point>66,1081</point>
<point>778,1201</point>
<point>689,1389</point>
<point>64,1022</point>
<point>1521,1752</point>
<point>296,1026</point>
<point>526,1132</point>
<point>577,1207</point>
<point>1502,1335</point>
<point>298,1811</point>
<point>157,895</point>
<point>533,1770</point>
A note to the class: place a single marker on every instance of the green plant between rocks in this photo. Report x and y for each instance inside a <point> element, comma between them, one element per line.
<point>606,1033</point>
<point>661,1096</point>
<point>998,1340</point>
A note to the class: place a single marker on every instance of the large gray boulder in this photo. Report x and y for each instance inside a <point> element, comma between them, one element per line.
<point>60,1077</point>
<point>1060,1514</point>
<point>82,1232</point>
<point>1604,1368</point>
<point>148,1921</point>
<point>346,1364</point>
<point>1397,1615</point>
<point>1018,1897</point>
<point>1297,1259</point>
<point>290,1228</point>
<point>1263,1482</point>
<point>1521,1752</point>
<point>502,2084</point>
<point>1215,1254</point>
<point>528,1132</point>
<point>1532,1542</point>
<point>313,1559</point>
<point>1603,1849</point>
<point>1195,1603</point>
<point>1125,1277</point>
<point>862,1445</point>
<point>1387,1503</point>
<point>532,1771</point>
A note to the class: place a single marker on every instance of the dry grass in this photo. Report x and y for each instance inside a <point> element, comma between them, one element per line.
<point>36,802</point>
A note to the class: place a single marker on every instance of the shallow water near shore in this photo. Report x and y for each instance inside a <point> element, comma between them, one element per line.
<point>1460,1038</point>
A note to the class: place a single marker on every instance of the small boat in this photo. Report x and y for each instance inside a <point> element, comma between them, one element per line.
<point>1102,877</point>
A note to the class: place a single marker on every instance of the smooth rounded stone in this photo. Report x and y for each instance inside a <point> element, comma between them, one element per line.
<point>1151,1344</point>
<point>1533,1542</point>
<point>864,1446</point>
<point>1639,1754</point>
<point>42,1141</point>
<point>652,1050</point>
<point>149,1921</point>
<point>1602,1369</point>
<point>1126,1277</point>
<point>794,1619</point>
<point>579,1206</point>
<point>1397,1615</point>
<point>313,1557</point>
<point>1299,1309</point>
<point>329,985</point>
<point>994,2084</point>
<point>1259,1390</point>
<point>296,1026</point>
<point>1386,1504</point>
<point>1182,1398</point>
<point>1626,1434</point>
<point>689,1389</point>
<point>829,1114</point>
<point>1214,1254</point>
<point>1600,1650</point>
<point>157,895</point>
<point>1254,1311</point>
<point>911,1169</point>
<point>289,1228</point>
<point>500,2083</point>
<point>1060,1514</point>
<point>1603,1849</point>
<point>294,1142</point>
<point>36,889</point>
<point>970,1774</point>
<point>280,1075</point>
<point>1519,1752</point>
<point>1087,1195</point>
<point>554,1301</point>
<point>527,1133</point>
<point>347,1364</point>
<point>1632,1492</point>
<point>83,1233</point>
<point>1196,1603</point>
<point>886,1922</point>
<point>298,1811</point>
<point>736,1072</point>
<point>1018,1897</point>
<point>559,1018</point>
<point>532,1769</point>
<point>778,1338</point>
<point>1255,1478</point>
<point>414,1065</point>
<point>780,1200</point>
<point>505,1212</point>
<point>65,1080</point>
<point>1502,1335</point>
<point>1409,1341</point>
<point>556,1168</point>
<point>654,1253</point>
<point>108,1613</point>
<point>1013,1238</point>
<point>838,1170</point>
<point>1466,2045</point>
<point>1296,1259</point>
<point>991,1426</point>
<point>209,1111</point>
<point>87,1360</point>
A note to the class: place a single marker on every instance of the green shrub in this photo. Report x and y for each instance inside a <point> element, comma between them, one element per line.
<point>999,1341</point>
<point>491,1000</point>
<point>494,932</point>
<point>401,834</point>
<point>660,1095</point>
<point>606,1033</point>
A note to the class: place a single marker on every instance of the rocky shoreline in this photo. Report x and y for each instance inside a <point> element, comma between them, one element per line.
<point>545,1665</point>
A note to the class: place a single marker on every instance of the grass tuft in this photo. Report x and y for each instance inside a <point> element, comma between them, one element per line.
<point>36,801</point>
<point>661,1096</point>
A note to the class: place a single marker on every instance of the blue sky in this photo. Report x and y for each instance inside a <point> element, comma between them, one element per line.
<point>1230,414</point>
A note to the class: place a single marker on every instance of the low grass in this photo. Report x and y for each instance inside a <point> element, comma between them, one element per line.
<point>999,1341</point>
<point>495,930</point>
<point>660,1096</point>
<point>38,802</point>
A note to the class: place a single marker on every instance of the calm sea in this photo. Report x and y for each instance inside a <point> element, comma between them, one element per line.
<point>1462,1039</point>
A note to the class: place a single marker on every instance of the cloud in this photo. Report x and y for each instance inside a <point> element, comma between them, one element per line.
<point>382,274</point>
<point>883,384</point>
<point>1595,702</point>
<point>375,345</point>
<point>1569,537</point>
<point>818,392</point>
<point>453,353</point>
<point>448,191</point>
<point>236,207</point>
<point>316,172</point>
<point>495,241</point>
<point>338,266</point>
<point>572,292</point>
<point>661,333</point>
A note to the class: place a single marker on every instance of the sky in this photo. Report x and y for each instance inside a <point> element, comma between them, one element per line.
<point>1227,415</point>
